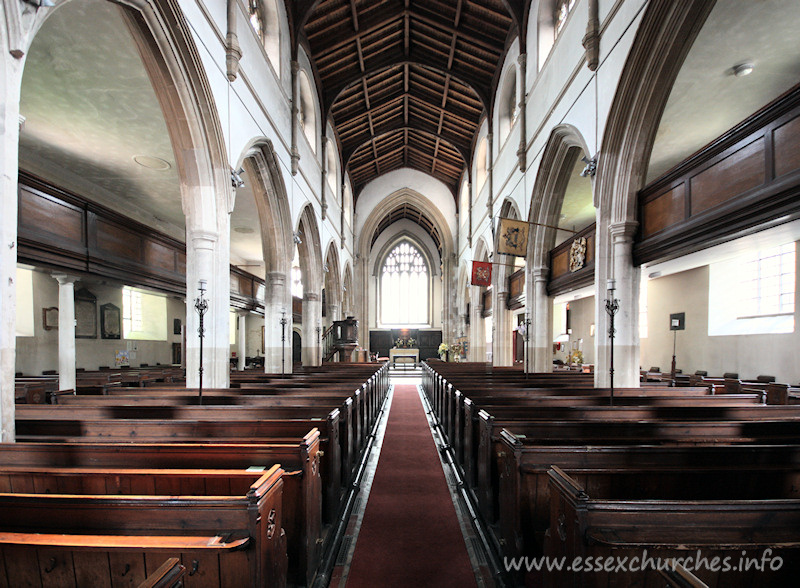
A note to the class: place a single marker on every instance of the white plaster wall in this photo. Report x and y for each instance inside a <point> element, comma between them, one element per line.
<point>40,352</point>
<point>750,355</point>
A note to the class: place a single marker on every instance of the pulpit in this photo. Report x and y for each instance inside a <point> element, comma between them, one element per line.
<point>341,338</point>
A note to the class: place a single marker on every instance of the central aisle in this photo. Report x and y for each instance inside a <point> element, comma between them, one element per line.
<point>410,535</point>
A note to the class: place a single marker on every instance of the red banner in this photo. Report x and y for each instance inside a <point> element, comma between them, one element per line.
<point>481,273</point>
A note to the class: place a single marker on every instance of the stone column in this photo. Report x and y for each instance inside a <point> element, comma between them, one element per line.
<point>277,304</point>
<point>541,341</point>
<point>242,341</point>
<point>203,256</point>
<point>618,243</point>
<point>477,335</point>
<point>502,346</point>
<point>10,76</point>
<point>312,318</point>
<point>66,331</point>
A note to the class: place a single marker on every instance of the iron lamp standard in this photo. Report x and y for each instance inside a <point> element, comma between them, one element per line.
<point>201,306</point>
<point>283,322</point>
<point>526,344</point>
<point>612,306</point>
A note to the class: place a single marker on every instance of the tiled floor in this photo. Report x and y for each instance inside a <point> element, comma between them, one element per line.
<point>345,556</point>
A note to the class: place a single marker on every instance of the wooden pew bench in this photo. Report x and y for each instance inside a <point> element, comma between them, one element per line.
<point>302,498</point>
<point>69,426</point>
<point>523,496</point>
<point>689,512</point>
<point>616,432</point>
<point>69,539</point>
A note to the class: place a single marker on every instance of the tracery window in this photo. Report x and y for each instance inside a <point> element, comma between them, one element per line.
<point>404,287</point>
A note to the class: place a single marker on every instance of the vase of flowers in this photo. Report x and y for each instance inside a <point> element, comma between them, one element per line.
<point>443,349</point>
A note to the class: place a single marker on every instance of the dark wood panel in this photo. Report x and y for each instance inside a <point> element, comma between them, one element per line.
<point>744,181</point>
<point>739,172</point>
<point>48,218</point>
<point>560,263</point>
<point>159,256</point>
<point>787,147</point>
<point>516,283</point>
<point>116,241</point>
<point>60,230</point>
<point>486,303</point>
<point>664,210</point>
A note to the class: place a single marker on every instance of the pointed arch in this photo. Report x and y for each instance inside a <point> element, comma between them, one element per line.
<point>563,148</point>
<point>332,283</point>
<point>272,201</point>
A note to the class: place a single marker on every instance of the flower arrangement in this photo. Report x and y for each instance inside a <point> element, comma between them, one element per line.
<point>575,357</point>
<point>443,348</point>
<point>402,343</point>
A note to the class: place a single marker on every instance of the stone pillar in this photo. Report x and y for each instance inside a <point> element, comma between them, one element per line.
<point>502,346</point>
<point>242,341</point>
<point>66,331</point>
<point>477,335</point>
<point>541,341</point>
<point>10,76</point>
<point>277,304</point>
<point>204,255</point>
<point>312,319</point>
<point>618,245</point>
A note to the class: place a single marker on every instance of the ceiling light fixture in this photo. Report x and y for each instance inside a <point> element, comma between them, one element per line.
<point>743,69</point>
<point>150,162</point>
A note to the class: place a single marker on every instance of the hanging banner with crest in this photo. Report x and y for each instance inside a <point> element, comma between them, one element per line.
<point>513,237</point>
<point>481,273</point>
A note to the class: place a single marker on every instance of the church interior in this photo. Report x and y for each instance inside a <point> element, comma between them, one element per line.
<point>399,293</point>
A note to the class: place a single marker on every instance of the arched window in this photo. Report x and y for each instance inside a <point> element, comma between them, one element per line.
<point>330,166</point>
<point>481,163</point>
<point>306,113</point>
<point>256,16</point>
<point>508,105</point>
<point>562,12</point>
<point>297,275</point>
<point>404,287</point>
<point>264,18</point>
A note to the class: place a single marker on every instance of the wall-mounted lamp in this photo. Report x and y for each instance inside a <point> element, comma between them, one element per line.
<point>236,178</point>
<point>743,69</point>
<point>41,3</point>
<point>591,166</point>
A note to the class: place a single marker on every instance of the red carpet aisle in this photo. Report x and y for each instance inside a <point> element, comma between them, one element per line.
<point>410,536</point>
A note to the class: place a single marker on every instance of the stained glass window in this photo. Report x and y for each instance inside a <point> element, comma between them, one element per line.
<point>404,287</point>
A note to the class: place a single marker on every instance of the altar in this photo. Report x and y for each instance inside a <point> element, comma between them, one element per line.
<point>403,355</point>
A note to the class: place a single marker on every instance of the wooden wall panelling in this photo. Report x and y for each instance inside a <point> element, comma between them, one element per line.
<point>745,181</point>
<point>561,278</point>
<point>516,290</point>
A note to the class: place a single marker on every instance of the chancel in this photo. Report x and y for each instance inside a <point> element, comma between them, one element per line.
<point>351,293</point>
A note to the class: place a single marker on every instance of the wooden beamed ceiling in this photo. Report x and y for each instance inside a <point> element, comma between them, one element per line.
<point>407,82</point>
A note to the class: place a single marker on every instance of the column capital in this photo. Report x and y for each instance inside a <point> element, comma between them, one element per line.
<point>203,239</point>
<point>311,296</point>
<point>540,274</point>
<point>623,231</point>
<point>64,279</point>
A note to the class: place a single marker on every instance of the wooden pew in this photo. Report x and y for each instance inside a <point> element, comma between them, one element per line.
<point>168,575</point>
<point>70,426</point>
<point>523,496</point>
<point>302,498</point>
<point>689,512</point>
<point>618,432</point>
<point>233,540</point>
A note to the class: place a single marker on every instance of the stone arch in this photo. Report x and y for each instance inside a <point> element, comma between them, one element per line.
<point>362,270</point>
<point>310,253</point>
<point>501,316</point>
<point>166,45</point>
<point>347,291</point>
<point>263,168</point>
<point>666,33</point>
<point>563,148</point>
<point>333,288</point>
